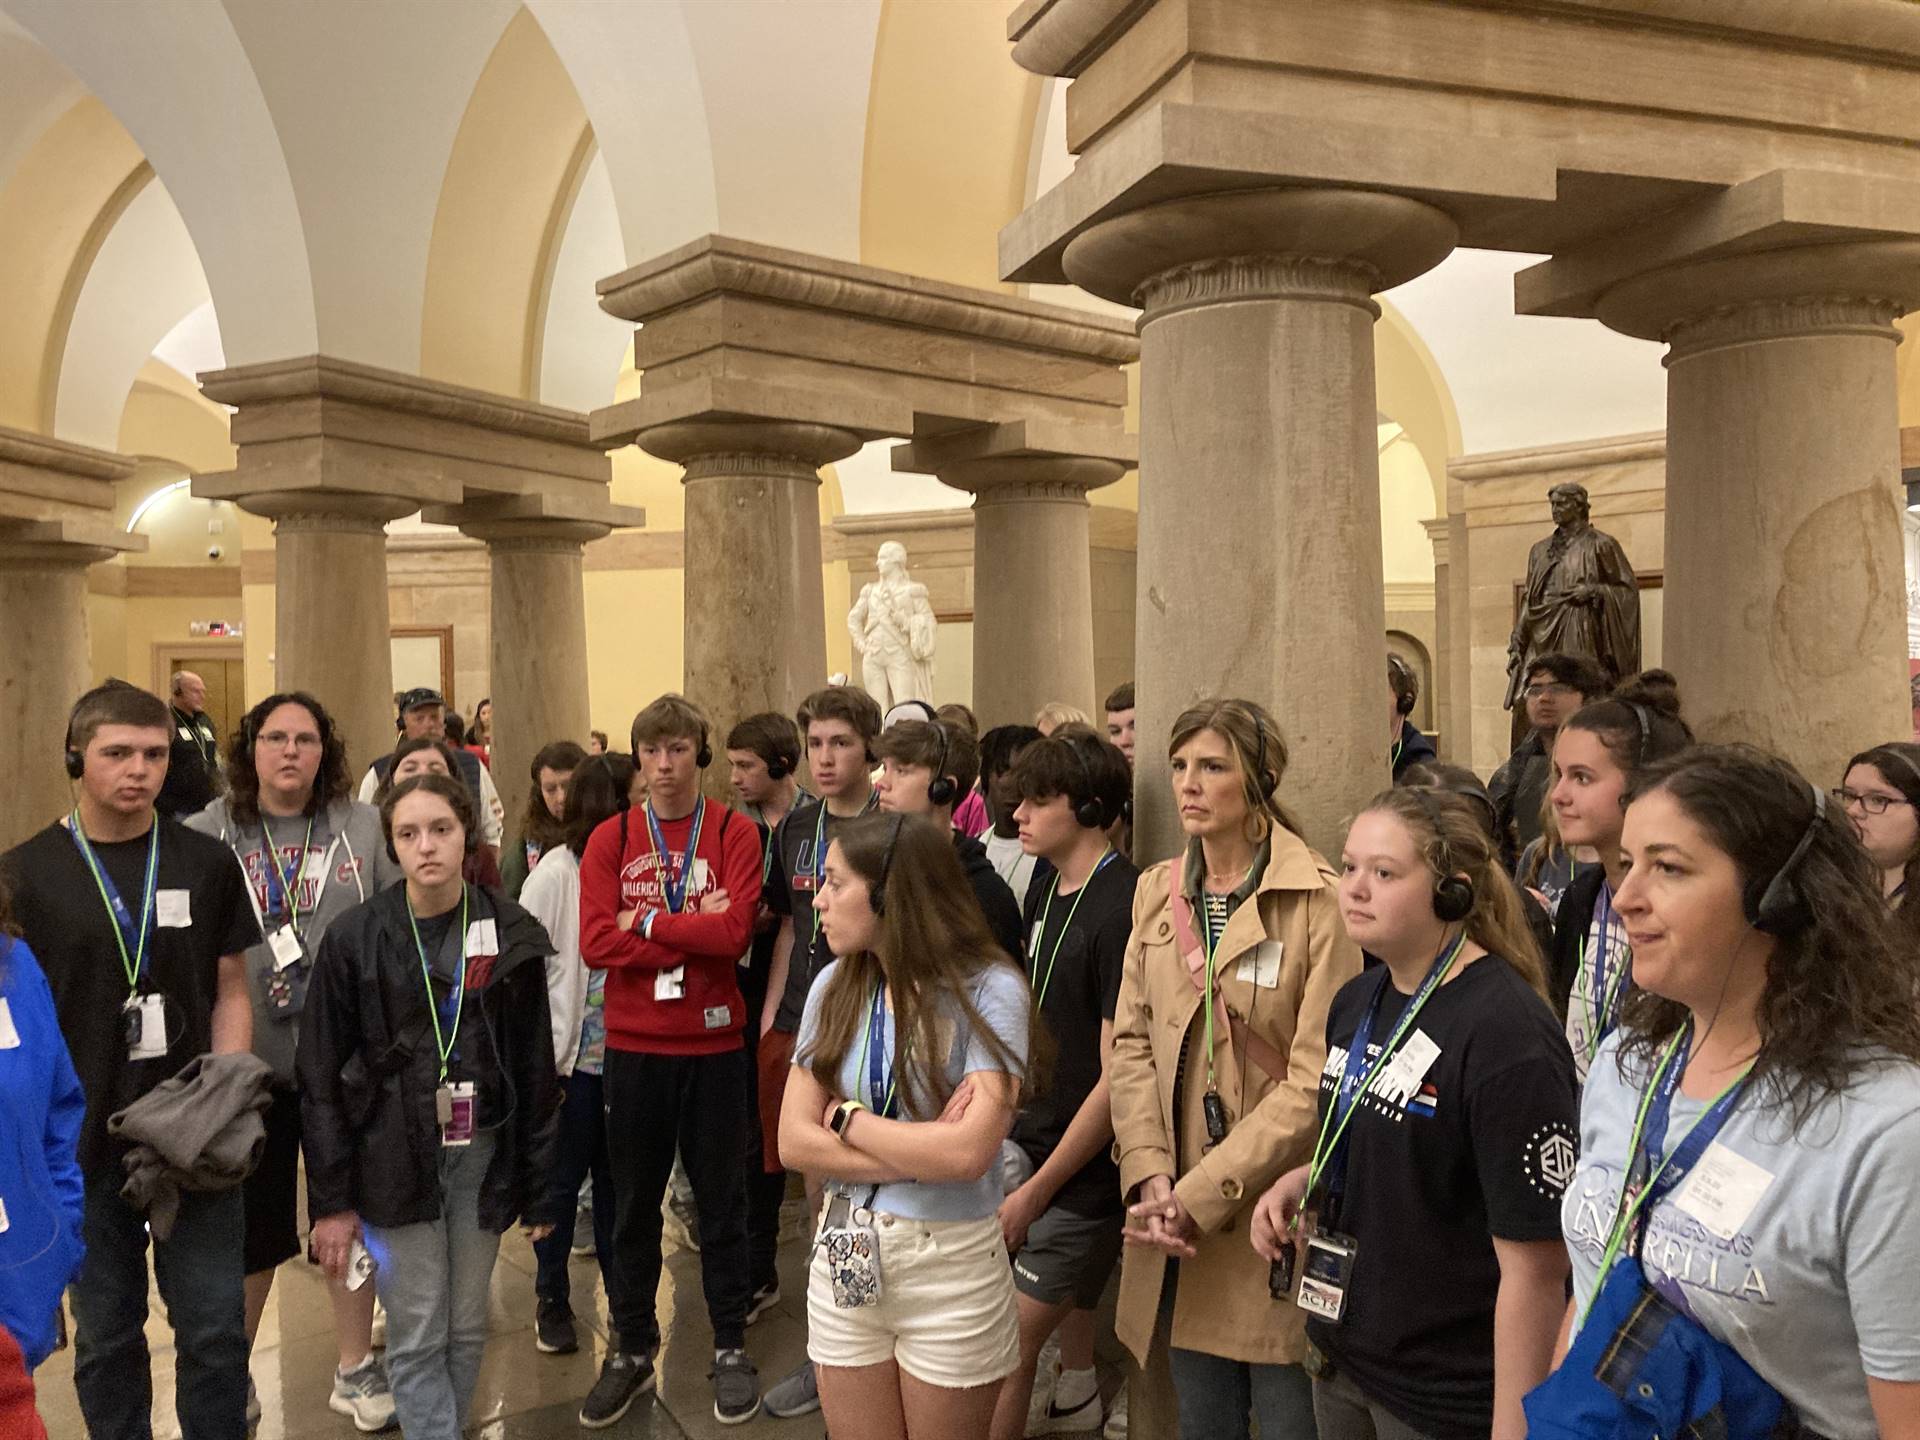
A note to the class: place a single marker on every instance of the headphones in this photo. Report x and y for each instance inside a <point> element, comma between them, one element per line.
<point>1453,895</point>
<point>1407,692</point>
<point>1892,754</point>
<point>1090,813</point>
<point>703,758</point>
<point>1780,908</point>
<point>941,789</point>
<point>777,767</point>
<point>877,892</point>
<point>1646,731</point>
<point>76,758</point>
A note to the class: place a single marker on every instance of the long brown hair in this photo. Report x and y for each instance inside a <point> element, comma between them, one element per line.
<point>537,824</point>
<point>933,946</point>
<point>1839,986</point>
<point>1258,747</point>
<point>1453,840</point>
<point>331,781</point>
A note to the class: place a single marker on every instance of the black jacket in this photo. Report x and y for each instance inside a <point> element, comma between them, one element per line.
<point>996,899</point>
<point>1415,749</point>
<point>1570,923</point>
<point>190,781</point>
<point>368,1068</point>
<point>1517,790</point>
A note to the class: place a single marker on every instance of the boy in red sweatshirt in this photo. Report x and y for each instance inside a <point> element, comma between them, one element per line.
<point>668,895</point>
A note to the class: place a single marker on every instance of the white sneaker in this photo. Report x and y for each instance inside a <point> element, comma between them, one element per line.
<point>365,1395</point>
<point>1050,1419</point>
<point>1116,1426</point>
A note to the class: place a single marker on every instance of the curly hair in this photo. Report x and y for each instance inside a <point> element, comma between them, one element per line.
<point>1839,986</point>
<point>1898,762</point>
<point>330,783</point>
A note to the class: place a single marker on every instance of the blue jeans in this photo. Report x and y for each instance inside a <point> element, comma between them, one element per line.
<point>583,1152</point>
<point>1216,1397</point>
<point>198,1267</point>
<point>433,1278</point>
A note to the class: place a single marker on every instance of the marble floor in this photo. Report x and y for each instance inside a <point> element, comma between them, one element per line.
<point>523,1395</point>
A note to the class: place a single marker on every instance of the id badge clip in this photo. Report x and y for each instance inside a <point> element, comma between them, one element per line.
<point>285,945</point>
<point>453,1108</point>
<point>145,1018</point>
<point>1327,1272</point>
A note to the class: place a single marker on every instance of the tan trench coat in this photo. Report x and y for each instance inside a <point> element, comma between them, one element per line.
<point>1223,1307</point>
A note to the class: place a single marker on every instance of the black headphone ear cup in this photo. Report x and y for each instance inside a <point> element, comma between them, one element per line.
<point>777,768</point>
<point>940,791</point>
<point>877,898</point>
<point>1452,898</point>
<point>76,763</point>
<point>1091,814</point>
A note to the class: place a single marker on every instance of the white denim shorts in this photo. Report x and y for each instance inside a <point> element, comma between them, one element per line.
<point>946,1313</point>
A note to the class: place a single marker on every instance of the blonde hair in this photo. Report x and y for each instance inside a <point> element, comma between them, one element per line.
<point>1056,713</point>
<point>1452,840</point>
<point>1258,748</point>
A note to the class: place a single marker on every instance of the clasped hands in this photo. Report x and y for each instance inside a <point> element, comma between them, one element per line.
<point>1157,1218</point>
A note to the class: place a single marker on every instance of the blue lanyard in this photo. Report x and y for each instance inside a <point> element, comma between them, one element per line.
<point>872,1050</point>
<point>673,893</point>
<point>1330,1156</point>
<point>820,860</point>
<point>126,932</point>
<point>1605,989</point>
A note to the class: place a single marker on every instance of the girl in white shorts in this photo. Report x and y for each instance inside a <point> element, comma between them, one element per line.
<point>907,1072</point>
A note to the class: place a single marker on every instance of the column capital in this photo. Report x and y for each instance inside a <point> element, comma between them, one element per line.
<point>1854,288</point>
<point>322,511</point>
<point>1439,534</point>
<point>709,448</point>
<point>54,481</point>
<point>536,522</point>
<point>1023,460</point>
<point>1341,246</point>
<point>63,544</point>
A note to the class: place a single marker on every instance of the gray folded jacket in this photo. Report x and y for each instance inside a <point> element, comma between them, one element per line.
<point>203,1129</point>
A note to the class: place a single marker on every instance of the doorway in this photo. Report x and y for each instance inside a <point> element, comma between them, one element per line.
<point>218,662</point>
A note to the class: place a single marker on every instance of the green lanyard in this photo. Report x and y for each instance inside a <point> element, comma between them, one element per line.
<point>135,964</point>
<point>1208,940</point>
<point>1326,1145</point>
<point>820,864</point>
<point>444,1042</point>
<point>286,885</point>
<point>1046,909</point>
<point>1626,1213</point>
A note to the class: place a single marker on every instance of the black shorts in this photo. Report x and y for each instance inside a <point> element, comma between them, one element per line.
<point>1068,1257</point>
<point>271,1195</point>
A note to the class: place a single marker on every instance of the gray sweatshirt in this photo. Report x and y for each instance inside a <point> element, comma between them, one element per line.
<point>345,864</point>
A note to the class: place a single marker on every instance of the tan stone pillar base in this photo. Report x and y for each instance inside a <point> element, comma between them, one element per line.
<point>1259,569</point>
<point>44,668</point>
<point>756,629</point>
<point>1785,580</point>
<point>332,636</point>
<point>539,658</point>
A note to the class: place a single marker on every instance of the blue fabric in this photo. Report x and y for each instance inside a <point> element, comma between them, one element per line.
<point>42,1108</point>
<point>1640,1369</point>
<point>1217,1397</point>
<point>582,1152</point>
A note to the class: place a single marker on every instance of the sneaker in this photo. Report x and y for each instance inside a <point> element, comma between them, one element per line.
<point>680,1223</point>
<point>764,1299</point>
<point>1116,1426</point>
<point>798,1394</point>
<point>583,1231</point>
<point>253,1406</point>
<point>736,1387</point>
<point>553,1332</point>
<point>624,1378</point>
<point>1083,1419</point>
<point>363,1394</point>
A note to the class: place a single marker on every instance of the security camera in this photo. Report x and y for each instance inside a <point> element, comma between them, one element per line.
<point>214,552</point>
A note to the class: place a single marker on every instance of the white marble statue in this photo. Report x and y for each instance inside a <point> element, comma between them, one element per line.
<point>893,629</point>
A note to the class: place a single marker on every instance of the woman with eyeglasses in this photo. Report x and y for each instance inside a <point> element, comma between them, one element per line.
<point>310,852</point>
<point>1881,800</point>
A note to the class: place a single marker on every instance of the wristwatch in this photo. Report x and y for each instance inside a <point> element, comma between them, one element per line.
<point>842,1115</point>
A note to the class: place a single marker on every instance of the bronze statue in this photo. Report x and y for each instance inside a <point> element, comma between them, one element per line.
<point>1581,598</point>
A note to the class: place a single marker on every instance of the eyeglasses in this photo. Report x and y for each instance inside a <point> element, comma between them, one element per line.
<point>280,740</point>
<point>1871,804</point>
<point>1536,692</point>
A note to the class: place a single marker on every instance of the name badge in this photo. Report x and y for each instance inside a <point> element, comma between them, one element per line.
<point>454,1105</point>
<point>1325,1276</point>
<point>146,1023</point>
<point>1722,1189</point>
<point>699,881</point>
<point>670,984</point>
<point>173,909</point>
<point>285,946</point>
<point>9,1037</point>
<point>1262,967</point>
<point>1410,1064</point>
<point>187,734</point>
<point>482,938</point>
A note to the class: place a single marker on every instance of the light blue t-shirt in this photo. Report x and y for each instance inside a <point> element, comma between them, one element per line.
<point>1797,1246</point>
<point>1000,994</point>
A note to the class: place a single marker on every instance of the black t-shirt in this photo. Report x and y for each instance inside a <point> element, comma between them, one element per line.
<point>1479,1142</point>
<point>789,893</point>
<point>1081,983</point>
<point>68,926</point>
<point>473,1057</point>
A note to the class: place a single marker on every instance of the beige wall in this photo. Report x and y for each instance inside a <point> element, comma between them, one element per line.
<point>1504,497</point>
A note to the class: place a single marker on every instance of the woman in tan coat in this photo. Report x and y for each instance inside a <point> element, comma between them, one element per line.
<point>1219,1039</point>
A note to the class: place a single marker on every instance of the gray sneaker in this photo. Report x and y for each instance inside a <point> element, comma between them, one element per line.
<point>798,1394</point>
<point>736,1388</point>
<point>364,1394</point>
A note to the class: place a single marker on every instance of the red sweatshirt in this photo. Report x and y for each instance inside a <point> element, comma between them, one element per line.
<point>706,1019</point>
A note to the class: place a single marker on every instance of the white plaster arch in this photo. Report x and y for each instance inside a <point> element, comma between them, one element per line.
<point>144,281</point>
<point>34,90</point>
<point>179,80</point>
<point>581,346</point>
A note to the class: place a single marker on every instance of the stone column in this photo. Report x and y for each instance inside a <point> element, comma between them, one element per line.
<point>331,631</point>
<point>1443,672</point>
<point>1260,569</point>
<point>756,620</point>
<point>44,668</point>
<point>539,658</point>
<point>1785,584</point>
